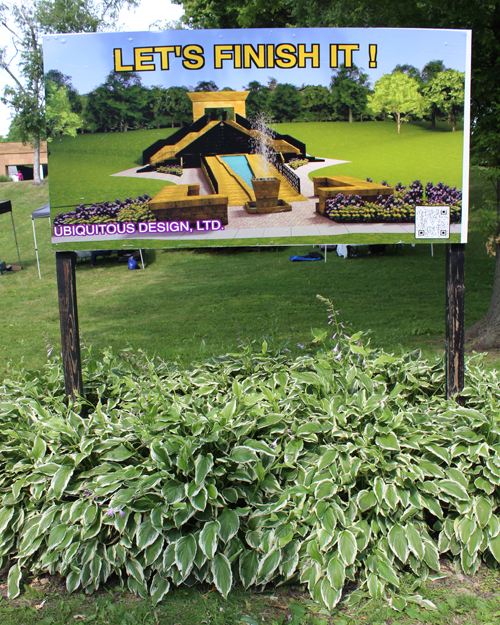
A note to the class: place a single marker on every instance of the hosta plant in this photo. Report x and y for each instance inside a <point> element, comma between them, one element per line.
<point>254,468</point>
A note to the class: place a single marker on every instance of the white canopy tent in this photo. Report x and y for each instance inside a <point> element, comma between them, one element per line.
<point>40,213</point>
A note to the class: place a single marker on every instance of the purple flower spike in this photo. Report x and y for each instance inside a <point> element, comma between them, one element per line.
<point>111,512</point>
<point>122,514</point>
<point>299,345</point>
<point>274,443</point>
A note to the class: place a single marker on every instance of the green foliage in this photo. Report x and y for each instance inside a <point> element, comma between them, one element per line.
<point>446,92</point>
<point>175,170</point>
<point>350,90</point>
<point>59,117</point>
<point>254,467</point>
<point>317,100</point>
<point>119,103</point>
<point>285,102</point>
<point>397,95</point>
<point>295,163</point>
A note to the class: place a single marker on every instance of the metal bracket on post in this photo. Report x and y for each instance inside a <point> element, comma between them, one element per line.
<point>455,318</point>
<point>68,313</point>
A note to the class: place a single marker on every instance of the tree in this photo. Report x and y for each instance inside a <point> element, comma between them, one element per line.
<point>59,117</point>
<point>120,103</point>
<point>430,71</point>
<point>317,99</point>
<point>446,91</point>
<point>397,95</point>
<point>257,101</point>
<point>178,106</point>
<point>350,90</point>
<point>285,102</point>
<point>24,24</point>
<point>206,85</point>
<point>409,70</point>
<point>26,97</point>
<point>57,78</point>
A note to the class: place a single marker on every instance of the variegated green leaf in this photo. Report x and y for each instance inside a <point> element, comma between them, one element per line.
<point>249,564</point>
<point>185,552</point>
<point>222,574</point>
<point>347,547</point>
<point>397,542</point>
<point>14,581</point>
<point>203,466</point>
<point>229,524</point>
<point>159,588</point>
<point>208,538</point>
<point>336,572</point>
<point>268,564</point>
<point>330,595</point>
<point>482,510</point>
<point>388,441</point>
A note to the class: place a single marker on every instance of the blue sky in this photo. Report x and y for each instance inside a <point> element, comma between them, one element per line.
<point>88,59</point>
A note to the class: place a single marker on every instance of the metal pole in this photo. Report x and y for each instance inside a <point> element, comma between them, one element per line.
<point>455,318</point>
<point>15,237</point>
<point>36,248</point>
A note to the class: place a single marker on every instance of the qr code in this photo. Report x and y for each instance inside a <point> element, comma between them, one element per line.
<point>432,222</point>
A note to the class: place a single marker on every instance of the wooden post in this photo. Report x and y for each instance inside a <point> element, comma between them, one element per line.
<point>68,314</point>
<point>455,318</point>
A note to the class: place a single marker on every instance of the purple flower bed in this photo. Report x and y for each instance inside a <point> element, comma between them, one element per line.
<point>108,212</point>
<point>399,208</point>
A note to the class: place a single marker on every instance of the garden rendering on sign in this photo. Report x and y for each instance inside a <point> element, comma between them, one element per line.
<point>217,167</point>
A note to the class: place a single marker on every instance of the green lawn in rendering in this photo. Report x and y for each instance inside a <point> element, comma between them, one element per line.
<point>81,166</point>
<point>376,150</point>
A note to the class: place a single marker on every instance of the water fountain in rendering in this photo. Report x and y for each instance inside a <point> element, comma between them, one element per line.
<point>267,188</point>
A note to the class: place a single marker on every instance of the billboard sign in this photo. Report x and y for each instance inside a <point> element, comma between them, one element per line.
<point>258,137</point>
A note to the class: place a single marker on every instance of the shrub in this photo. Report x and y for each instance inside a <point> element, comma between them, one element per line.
<point>295,163</point>
<point>343,465</point>
<point>175,170</point>
<point>4,178</point>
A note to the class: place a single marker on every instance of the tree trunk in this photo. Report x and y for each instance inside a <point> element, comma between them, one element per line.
<point>433,120</point>
<point>350,114</point>
<point>399,122</point>
<point>36,163</point>
<point>485,333</point>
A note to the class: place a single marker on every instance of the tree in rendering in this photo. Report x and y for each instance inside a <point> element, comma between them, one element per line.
<point>350,89</point>
<point>397,95</point>
<point>446,92</point>
<point>285,103</point>
<point>317,100</point>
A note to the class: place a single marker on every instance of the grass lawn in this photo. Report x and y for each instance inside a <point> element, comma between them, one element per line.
<point>378,152</point>
<point>80,167</point>
<point>191,304</point>
<point>459,599</point>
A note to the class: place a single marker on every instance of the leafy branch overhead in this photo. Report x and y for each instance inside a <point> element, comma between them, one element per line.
<point>342,466</point>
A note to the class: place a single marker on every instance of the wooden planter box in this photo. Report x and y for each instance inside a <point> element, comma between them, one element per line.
<point>183,203</point>
<point>327,187</point>
<point>266,192</point>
